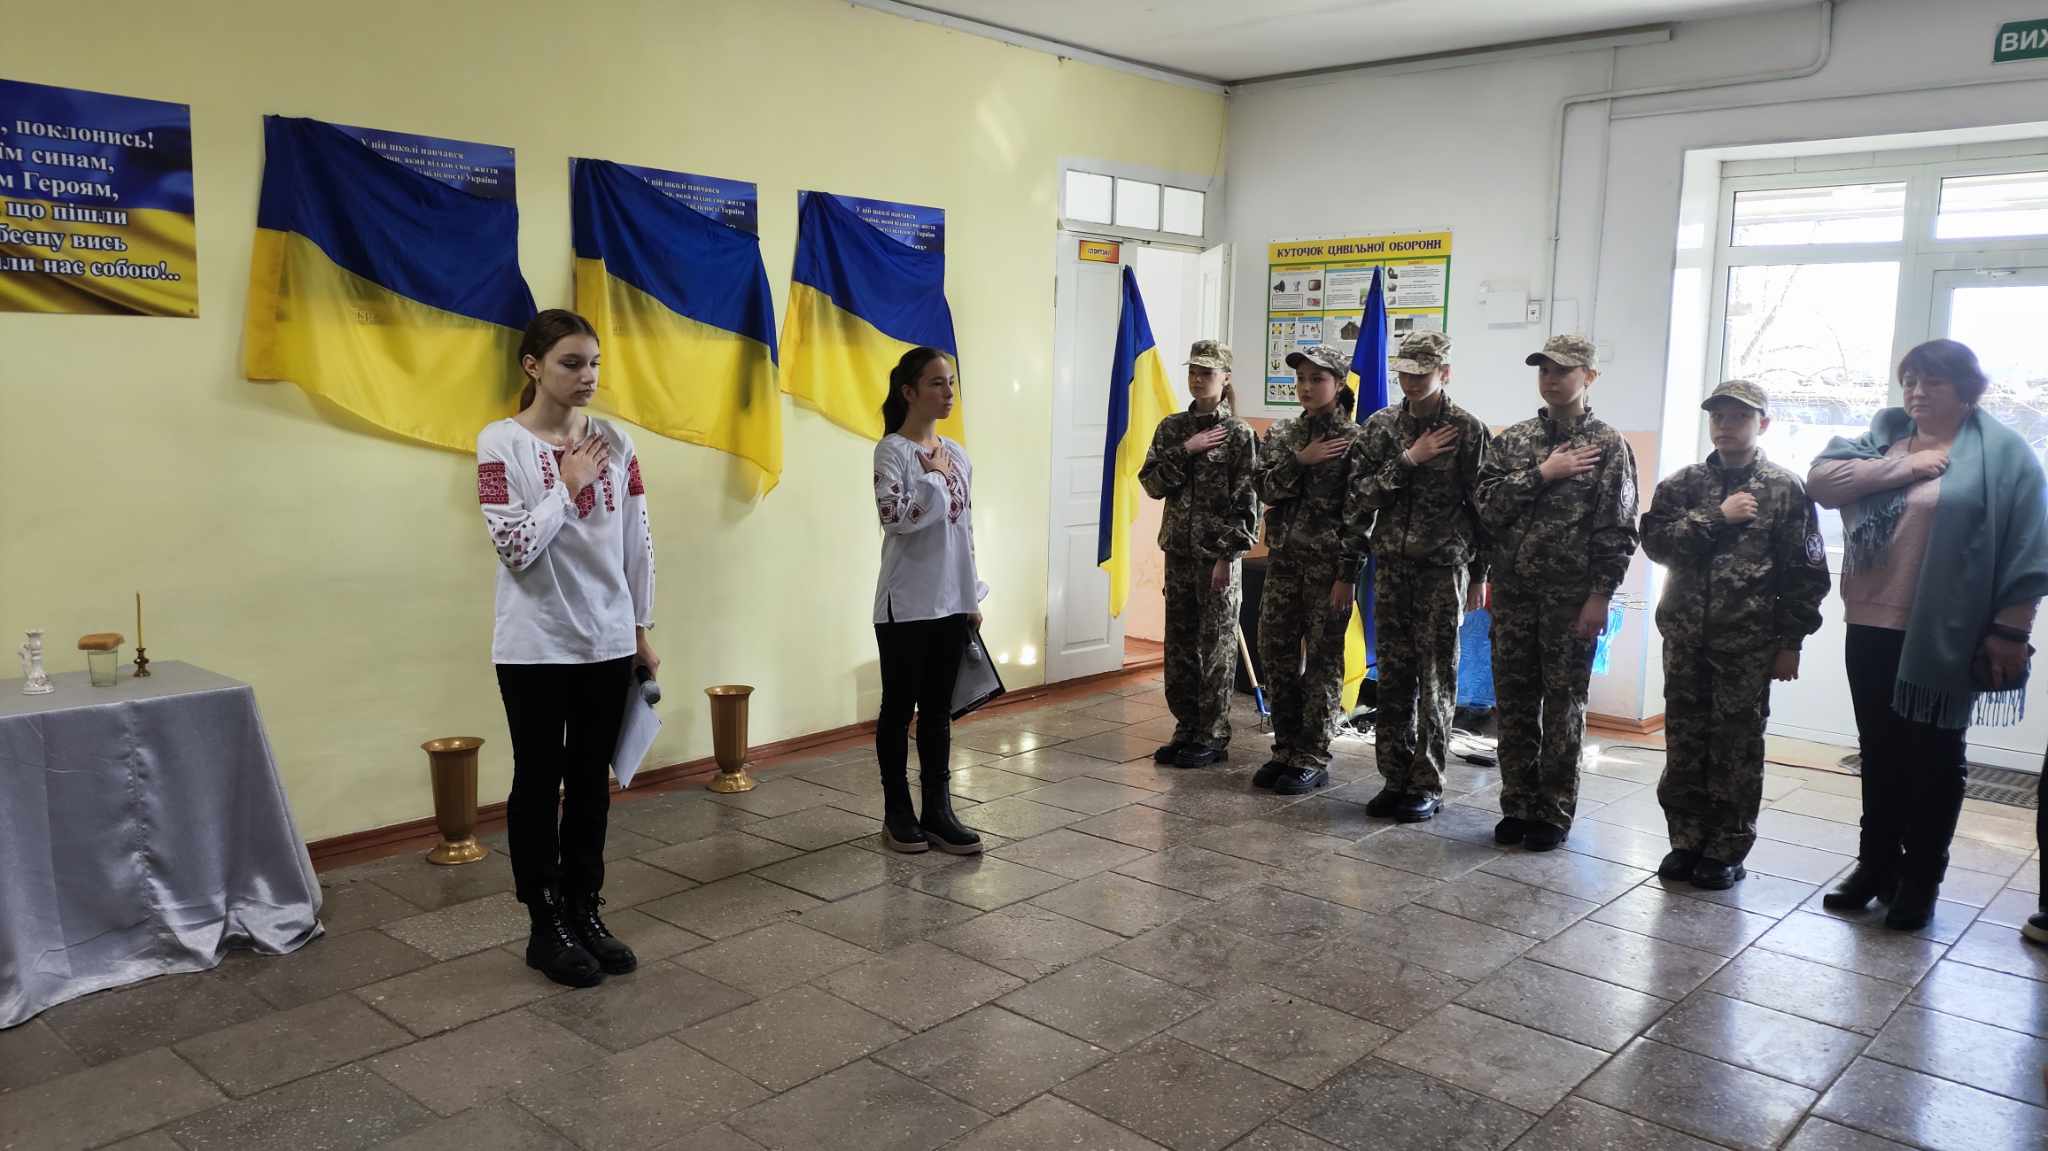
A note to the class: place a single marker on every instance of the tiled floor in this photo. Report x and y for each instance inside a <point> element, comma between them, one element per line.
<point>1145,958</point>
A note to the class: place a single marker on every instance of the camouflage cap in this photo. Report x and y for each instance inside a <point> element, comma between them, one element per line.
<point>1212,354</point>
<point>1743,392</point>
<point>1569,351</point>
<point>1322,356</point>
<point>1421,353</point>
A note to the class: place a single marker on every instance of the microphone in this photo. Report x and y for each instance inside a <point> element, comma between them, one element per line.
<point>649,689</point>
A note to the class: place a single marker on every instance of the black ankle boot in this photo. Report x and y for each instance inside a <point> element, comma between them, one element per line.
<point>941,828</point>
<point>1913,907</point>
<point>552,948</point>
<point>900,831</point>
<point>612,955</point>
<point>1860,886</point>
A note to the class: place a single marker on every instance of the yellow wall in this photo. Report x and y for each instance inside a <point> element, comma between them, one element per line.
<point>347,575</point>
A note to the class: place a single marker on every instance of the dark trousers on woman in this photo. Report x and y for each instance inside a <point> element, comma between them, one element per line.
<point>920,661</point>
<point>565,725</point>
<point>1912,772</point>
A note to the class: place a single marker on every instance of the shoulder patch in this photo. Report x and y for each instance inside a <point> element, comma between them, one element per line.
<point>1816,550</point>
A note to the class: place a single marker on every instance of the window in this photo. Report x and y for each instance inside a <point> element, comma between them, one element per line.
<point>1088,196</point>
<point>1183,211</point>
<point>1977,207</point>
<point>1137,204</point>
<point>1844,214</point>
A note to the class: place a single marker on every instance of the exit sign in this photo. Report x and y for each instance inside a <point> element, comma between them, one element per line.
<point>2021,40</point>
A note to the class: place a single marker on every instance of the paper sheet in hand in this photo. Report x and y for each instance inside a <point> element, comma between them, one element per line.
<point>636,734</point>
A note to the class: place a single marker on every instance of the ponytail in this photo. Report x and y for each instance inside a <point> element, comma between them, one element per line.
<point>1229,395</point>
<point>1347,400</point>
<point>543,332</point>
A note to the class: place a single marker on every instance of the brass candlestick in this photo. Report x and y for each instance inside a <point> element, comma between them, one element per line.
<point>729,738</point>
<point>453,762</point>
<point>142,663</point>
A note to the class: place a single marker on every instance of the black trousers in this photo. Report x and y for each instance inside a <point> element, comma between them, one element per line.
<point>565,725</point>
<point>1913,773</point>
<point>920,660</point>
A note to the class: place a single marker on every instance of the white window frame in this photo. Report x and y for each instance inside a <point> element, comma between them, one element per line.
<point>1212,204</point>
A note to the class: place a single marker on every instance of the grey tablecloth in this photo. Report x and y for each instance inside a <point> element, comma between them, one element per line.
<point>142,831</point>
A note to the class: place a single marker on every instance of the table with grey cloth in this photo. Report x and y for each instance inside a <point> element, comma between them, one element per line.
<point>143,831</point>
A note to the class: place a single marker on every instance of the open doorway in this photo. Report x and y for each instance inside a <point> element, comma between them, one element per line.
<point>1183,289</point>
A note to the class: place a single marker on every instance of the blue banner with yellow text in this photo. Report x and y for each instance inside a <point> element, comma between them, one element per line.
<point>391,293</point>
<point>95,204</point>
<point>683,314</point>
<point>858,300</point>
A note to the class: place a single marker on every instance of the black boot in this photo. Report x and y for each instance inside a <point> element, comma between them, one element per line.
<point>1913,907</point>
<point>552,948</point>
<point>1867,882</point>
<point>941,828</point>
<point>899,819</point>
<point>612,955</point>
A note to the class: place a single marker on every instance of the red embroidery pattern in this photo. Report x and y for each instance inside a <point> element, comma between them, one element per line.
<point>586,502</point>
<point>634,486</point>
<point>956,495</point>
<point>610,497</point>
<point>547,470</point>
<point>491,487</point>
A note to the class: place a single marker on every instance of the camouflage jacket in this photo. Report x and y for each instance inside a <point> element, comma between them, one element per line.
<point>1737,587</point>
<point>1424,515</point>
<point>1573,533</point>
<point>1305,504</point>
<point>1211,508</point>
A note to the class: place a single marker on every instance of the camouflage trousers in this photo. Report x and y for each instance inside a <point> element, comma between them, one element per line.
<point>1201,649</point>
<point>1301,650</point>
<point>1416,613</point>
<point>1715,708</point>
<point>1541,673</point>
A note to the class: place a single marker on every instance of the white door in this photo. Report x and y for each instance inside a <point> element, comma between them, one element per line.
<point>1998,312</point>
<point>1080,636</point>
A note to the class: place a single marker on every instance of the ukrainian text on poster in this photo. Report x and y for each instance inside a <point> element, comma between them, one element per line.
<point>918,226</point>
<point>734,203</point>
<point>483,170</point>
<point>1316,290</point>
<point>95,204</point>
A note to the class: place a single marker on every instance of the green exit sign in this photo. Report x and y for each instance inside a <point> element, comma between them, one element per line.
<point>2021,40</point>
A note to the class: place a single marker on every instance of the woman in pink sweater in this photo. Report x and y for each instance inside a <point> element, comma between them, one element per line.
<point>1947,555</point>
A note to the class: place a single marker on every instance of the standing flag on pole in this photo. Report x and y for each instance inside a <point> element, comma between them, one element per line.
<point>1369,381</point>
<point>382,290</point>
<point>682,310</point>
<point>1139,397</point>
<point>858,300</point>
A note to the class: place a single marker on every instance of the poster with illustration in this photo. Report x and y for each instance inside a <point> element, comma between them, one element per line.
<point>1316,291</point>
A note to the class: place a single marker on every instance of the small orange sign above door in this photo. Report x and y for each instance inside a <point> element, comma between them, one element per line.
<point>1101,252</point>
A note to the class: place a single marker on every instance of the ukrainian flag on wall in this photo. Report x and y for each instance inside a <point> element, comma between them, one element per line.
<point>858,300</point>
<point>1139,397</point>
<point>1369,383</point>
<point>682,311</point>
<point>384,291</point>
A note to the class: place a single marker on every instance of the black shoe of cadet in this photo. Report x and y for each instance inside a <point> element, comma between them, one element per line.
<point>1382,806</point>
<point>1300,780</point>
<point>1417,807</point>
<point>1863,884</point>
<point>2036,927</point>
<point>1268,774</point>
<point>552,949</point>
<point>1713,875</point>
<point>1678,863</point>
<point>1166,752</point>
<point>1913,907</point>
<point>1542,836</point>
<point>612,955</point>
<point>1198,755</point>
<point>1509,830</point>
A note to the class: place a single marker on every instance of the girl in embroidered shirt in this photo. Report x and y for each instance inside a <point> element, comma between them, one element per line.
<point>562,497</point>
<point>926,600</point>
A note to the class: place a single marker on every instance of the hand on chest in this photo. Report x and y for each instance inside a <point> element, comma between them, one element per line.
<point>605,488</point>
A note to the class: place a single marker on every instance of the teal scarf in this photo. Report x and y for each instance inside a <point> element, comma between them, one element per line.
<point>1989,551</point>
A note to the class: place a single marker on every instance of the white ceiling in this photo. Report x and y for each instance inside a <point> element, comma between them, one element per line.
<point>1230,40</point>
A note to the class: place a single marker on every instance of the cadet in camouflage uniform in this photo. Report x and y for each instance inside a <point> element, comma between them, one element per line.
<point>1306,469</point>
<point>1414,495</point>
<point>1557,497</point>
<point>1201,463</point>
<point>1748,573</point>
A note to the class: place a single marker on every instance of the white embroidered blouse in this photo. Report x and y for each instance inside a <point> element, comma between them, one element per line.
<point>576,571</point>
<point>927,534</point>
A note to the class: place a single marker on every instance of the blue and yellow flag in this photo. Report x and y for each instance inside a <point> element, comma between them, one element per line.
<point>382,290</point>
<point>1139,397</point>
<point>682,310</point>
<point>858,300</point>
<point>1369,383</point>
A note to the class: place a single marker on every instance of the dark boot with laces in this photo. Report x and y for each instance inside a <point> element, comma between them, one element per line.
<point>612,955</point>
<point>553,950</point>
